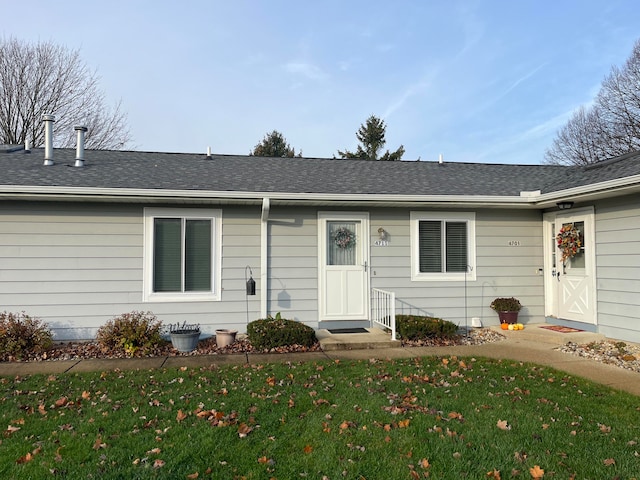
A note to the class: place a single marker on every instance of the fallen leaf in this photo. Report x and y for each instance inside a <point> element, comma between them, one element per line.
<point>42,409</point>
<point>193,475</point>
<point>98,444</point>
<point>61,402</point>
<point>424,463</point>
<point>244,430</point>
<point>609,461</point>
<point>536,472</point>
<point>307,449</point>
<point>25,458</point>
<point>495,474</point>
<point>503,425</point>
<point>154,451</point>
<point>86,395</point>
<point>157,463</point>
<point>181,416</point>
<point>11,429</point>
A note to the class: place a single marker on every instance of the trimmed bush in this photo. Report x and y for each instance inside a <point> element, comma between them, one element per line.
<point>416,327</point>
<point>21,334</point>
<point>131,332</point>
<point>270,332</point>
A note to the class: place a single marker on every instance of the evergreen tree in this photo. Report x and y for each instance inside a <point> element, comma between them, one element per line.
<point>372,141</point>
<point>274,145</point>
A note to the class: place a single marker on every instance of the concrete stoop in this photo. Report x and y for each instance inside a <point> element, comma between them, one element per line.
<point>375,338</point>
<point>536,333</point>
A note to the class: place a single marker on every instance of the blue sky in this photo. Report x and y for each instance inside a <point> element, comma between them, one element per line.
<point>477,81</point>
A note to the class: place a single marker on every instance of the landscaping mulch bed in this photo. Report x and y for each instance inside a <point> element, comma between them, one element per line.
<point>91,349</point>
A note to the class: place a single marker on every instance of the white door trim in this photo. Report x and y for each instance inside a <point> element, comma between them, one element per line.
<point>363,242</point>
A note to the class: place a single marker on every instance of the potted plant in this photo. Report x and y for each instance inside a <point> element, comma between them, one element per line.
<point>225,337</point>
<point>185,336</point>
<point>507,309</point>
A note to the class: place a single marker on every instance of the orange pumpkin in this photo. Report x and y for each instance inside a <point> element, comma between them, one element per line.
<point>504,326</point>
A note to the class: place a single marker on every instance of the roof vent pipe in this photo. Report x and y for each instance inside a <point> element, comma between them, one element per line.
<point>440,159</point>
<point>208,152</point>
<point>27,146</point>
<point>48,138</point>
<point>80,145</point>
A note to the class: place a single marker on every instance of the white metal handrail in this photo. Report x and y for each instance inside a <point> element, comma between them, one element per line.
<point>383,310</point>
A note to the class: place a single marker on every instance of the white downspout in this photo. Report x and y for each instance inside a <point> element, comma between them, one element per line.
<point>264,248</point>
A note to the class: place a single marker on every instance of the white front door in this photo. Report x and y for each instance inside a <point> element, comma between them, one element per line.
<point>571,288</point>
<point>343,266</point>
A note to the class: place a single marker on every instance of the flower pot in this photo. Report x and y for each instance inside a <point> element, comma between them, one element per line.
<point>508,317</point>
<point>225,337</point>
<point>185,340</point>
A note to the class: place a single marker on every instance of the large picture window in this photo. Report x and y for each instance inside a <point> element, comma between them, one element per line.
<point>182,254</point>
<point>442,246</point>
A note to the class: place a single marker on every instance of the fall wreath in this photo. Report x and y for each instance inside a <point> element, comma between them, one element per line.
<point>569,242</point>
<point>344,238</point>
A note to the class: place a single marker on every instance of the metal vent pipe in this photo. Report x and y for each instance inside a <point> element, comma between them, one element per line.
<point>48,138</point>
<point>80,130</point>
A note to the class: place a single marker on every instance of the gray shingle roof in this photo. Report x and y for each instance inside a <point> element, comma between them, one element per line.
<point>228,173</point>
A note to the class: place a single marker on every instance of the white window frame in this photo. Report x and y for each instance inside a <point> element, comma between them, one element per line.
<point>470,219</point>
<point>215,215</point>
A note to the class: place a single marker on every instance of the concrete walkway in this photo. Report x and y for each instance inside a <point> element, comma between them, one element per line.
<point>534,344</point>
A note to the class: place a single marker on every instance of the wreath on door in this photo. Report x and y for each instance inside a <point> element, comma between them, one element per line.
<point>344,238</point>
<point>569,241</point>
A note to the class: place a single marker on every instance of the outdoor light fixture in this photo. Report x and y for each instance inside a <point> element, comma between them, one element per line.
<point>251,283</point>
<point>564,205</point>
<point>382,233</point>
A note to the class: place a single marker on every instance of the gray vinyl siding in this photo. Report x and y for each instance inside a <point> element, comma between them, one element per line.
<point>293,264</point>
<point>77,265</point>
<point>501,270</point>
<point>618,267</point>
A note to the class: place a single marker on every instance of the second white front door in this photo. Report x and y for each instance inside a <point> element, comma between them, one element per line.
<point>571,288</point>
<point>343,240</point>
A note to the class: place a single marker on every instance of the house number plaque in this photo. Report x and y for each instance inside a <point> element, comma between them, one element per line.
<point>514,243</point>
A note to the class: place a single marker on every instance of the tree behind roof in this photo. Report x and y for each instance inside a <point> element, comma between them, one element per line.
<point>274,145</point>
<point>45,78</point>
<point>371,137</point>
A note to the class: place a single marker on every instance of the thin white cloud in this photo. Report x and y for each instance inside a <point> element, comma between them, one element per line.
<point>409,92</point>
<point>521,79</point>
<point>308,70</point>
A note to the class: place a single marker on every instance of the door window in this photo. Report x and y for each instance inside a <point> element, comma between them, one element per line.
<point>341,243</point>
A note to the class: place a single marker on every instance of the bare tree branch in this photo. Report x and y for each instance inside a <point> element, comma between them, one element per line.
<point>44,78</point>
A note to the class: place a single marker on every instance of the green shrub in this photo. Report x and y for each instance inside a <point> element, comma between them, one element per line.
<point>131,332</point>
<point>270,332</point>
<point>21,334</point>
<point>416,327</point>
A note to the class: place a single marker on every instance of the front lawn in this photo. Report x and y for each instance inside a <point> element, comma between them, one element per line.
<point>439,418</point>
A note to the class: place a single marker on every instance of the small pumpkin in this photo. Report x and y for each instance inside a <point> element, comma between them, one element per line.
<point>510,327</point>
<point>504,326</point>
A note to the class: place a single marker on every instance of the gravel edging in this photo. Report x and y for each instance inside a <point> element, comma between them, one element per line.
<point>610,352</point>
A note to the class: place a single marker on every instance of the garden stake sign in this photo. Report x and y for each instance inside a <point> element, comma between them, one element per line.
<point>569,242</point>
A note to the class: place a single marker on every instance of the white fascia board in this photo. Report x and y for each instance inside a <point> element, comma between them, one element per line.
<point>56,192</point>
<point>593,189</point>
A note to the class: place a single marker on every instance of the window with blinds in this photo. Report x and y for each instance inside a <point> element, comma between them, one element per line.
<point>443,245</point>
<point>182,250</point>
<point>182,255</point>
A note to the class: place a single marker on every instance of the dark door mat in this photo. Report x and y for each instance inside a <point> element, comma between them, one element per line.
<point>348,330</point>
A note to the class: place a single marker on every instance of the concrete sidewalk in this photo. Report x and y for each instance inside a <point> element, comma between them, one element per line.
<point>536,346</point>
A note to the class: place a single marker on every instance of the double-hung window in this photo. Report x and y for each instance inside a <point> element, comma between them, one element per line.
<point>442,246</point>
<point>182,254</point>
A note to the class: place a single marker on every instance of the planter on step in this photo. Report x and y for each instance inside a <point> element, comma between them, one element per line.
<point>508,317</point>
<point>225,337</point>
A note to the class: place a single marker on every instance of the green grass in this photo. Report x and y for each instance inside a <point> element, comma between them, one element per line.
<point>402,419</point>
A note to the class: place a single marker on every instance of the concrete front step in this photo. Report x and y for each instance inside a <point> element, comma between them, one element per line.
<point>373,339</point>
<point>536,333</point>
